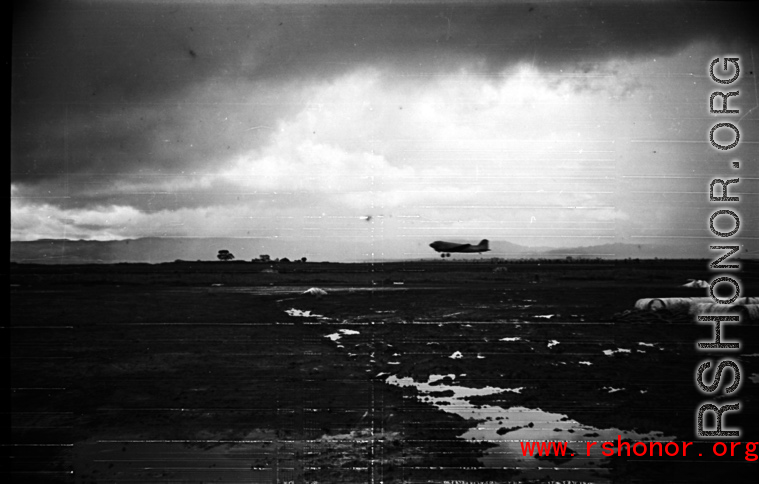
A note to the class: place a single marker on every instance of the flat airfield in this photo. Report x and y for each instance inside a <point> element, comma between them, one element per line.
<point>228,372</point>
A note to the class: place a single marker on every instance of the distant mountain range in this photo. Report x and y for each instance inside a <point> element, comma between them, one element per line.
<point>157,249</point>
<point>168,249</point>
<point>624,251</point>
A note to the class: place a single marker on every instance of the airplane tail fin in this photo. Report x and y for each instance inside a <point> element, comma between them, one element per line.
<point>484,244</point>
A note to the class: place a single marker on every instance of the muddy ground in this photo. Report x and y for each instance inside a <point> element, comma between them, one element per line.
<point>219,372</point>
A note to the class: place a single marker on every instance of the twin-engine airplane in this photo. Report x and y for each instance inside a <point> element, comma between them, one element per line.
<point>447,247</point>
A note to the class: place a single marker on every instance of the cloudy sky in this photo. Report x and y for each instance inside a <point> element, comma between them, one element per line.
<point>375,128</point>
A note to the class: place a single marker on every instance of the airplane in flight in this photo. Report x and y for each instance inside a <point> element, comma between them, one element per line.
<point>447,247</point>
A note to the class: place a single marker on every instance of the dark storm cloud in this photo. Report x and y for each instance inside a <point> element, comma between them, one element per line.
<point>99,87</point>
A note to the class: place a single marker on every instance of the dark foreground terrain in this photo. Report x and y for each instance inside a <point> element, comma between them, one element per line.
<point>219,372</point>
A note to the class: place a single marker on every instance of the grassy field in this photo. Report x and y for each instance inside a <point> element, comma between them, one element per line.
<point>197,372</point>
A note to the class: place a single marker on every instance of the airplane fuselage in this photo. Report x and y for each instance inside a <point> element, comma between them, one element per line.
<point>451,247</point>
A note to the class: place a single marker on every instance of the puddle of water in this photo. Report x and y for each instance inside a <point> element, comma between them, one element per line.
<point>340,333</point>
<point>459,392</point>
<point>508,427</point>
<point>552,343</point>
<point>515,338</point>
<point>618,350</point>
<point>612,389</point>
<point>456,355</point>
<point>434,378</point>
<point>303,314</point>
